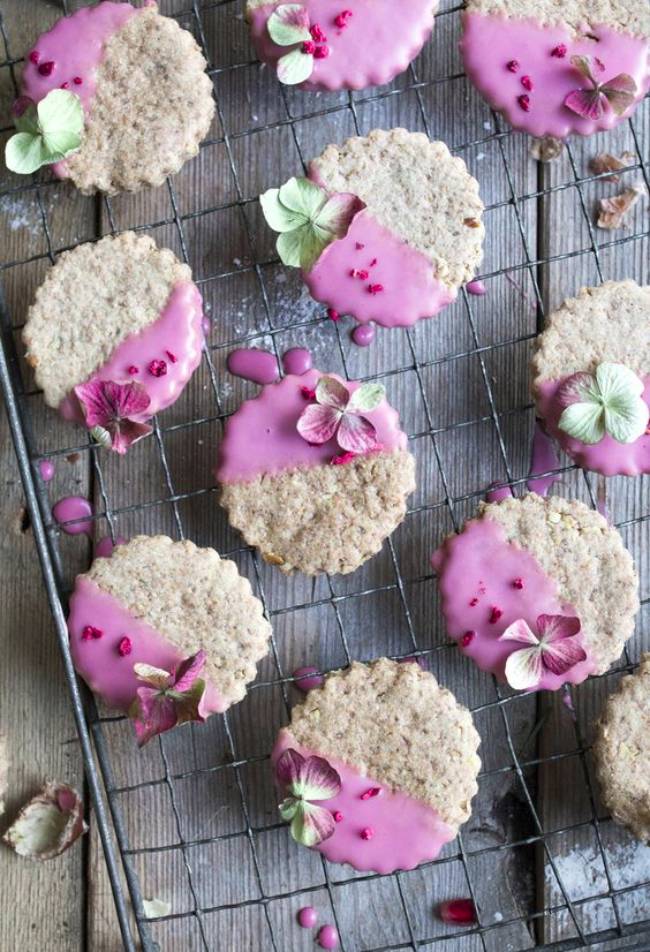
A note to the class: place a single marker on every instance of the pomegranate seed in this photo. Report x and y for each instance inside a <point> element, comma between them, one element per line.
<point>308,393</point>
<point>367,833</point>
<point>375,288</point>
<point>91,632</point>
<point>372,792</point>
<point>77,80</point>
<point>341,19</point>
<point>518,583</point>
<point>133,370</point>
<point>332,314</point>
<point>157,368</point>
<point>460,911</point>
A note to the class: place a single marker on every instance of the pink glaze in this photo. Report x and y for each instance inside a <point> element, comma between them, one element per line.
<point>476,287</point>
<point>307,917</point>
<point>98,660</point>
<point>607,457</point>
<point>328,937</point>
<point>410,289</point>
<point>176,338</point>
<point>46,469</point>
<point>543,459</point>
<point>73,507</point>
<point>297,361</point>
<point>307,678</point>
<point>496,493</point>
<point>489,43</point>
<point>478,571</point>
<point>363,335</point>
<point>261,437</point>
<point>253,364</point>
<point>104,547</point>
<point>376,44</point>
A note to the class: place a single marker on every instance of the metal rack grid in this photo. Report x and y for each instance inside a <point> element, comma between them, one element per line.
<point>95,727</point>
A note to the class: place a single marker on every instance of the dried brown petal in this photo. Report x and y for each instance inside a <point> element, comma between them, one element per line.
<point>546,149</point>
<point>48,824</point>
<point>604,162</point>
<point>472,222</point>
<point>612,211</point>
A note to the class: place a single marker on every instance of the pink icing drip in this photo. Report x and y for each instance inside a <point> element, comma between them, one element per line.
<point>297,361</point>
<point>476,287</point>
<point>607,457</point>
<point>73,507</point>
<point>261,437</point>
<point>490,42</point>
<point>496,493</point>
<point>104,547</point>
<point>178,331</point>
<point>98,660</point>
<point>46,469</point>
<point>476,572</point>
<point>363,335</point>
<point>410,289</point>
<point>406,831</point>
<point>377,43</point>
<point>307,678</point>
<point>543,459</point>
<point>254,364</point>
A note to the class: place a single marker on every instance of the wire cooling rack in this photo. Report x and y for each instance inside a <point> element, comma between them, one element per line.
<point>191,819</point>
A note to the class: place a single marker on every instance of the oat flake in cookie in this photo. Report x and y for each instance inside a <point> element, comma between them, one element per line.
<point>540,592</point>
<point>315,472</point>
<point>141,80</point>
<point>114,335</point>
<point>556,67</point>
<point>622,752</point>
<point>591,378</point>
<point>318,44</point>
<point>353,789</point>
<point>386,228</point>
<point>166,616</point>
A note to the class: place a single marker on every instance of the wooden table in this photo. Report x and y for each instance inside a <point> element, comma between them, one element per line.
<point>462,392</point>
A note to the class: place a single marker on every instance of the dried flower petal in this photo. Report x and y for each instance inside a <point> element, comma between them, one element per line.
<point>330,392</point>
<point>356,434</point>
<point>604,162</point>
<point>168,699</point>
<point>156,908</point>
<point>607,402</point>
<point>546,149</point>
<point>306,779</point>
<point>554,648</point>
<point>110,407</point>
<point>592,103</point>
<point>612,211</point>
<point>288,24</point>
<point>318,424</point>
<point>49,824</point>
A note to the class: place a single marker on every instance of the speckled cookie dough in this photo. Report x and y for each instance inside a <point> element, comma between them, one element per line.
<point>622,752</point>
<point>625,15</point>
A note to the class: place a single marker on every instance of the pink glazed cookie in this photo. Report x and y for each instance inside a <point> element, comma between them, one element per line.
<point>557,67</point>
<point>539,592</point>
<point>315,472</point>
<point>358,43</point>
<point>386,228</point>
<point>378,767</point>
<point>591,378</point>
<point>157,602</point>
<point>114,335</point>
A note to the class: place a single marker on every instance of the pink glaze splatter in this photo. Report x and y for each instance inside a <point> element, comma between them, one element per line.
<point>104,547</point>
<point>476,287</point>
<point>496,493</point>
<point>105,670</point>
<point>46,469</point>
<point>363,335</point>
<point>406,832</point>
<point>261,437</point>
<point>253,364</point>
<point>410,290</point>
<point>374,46</point>
<point>477,571</point>
<point>307,678</point>
<point>296,361</point>
<point>607,457</point>
<point>307,917</point>
<point>543,459</point>
<point>328,937</point>
<point>177,330</point>
<point>73,507</point>
<point>489,43</point>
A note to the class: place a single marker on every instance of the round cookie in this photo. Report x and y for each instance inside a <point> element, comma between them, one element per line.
<point>557,67</point>
<point>320,46</point>
<point>157,602</point>
<point>141,80</point>
<point>114,334</point>
<point>595,352</point>
<point>314,500</point>
<point>539,592</point>
<point>622,752</point>
<point>386,228</point>
<point>400,772</point>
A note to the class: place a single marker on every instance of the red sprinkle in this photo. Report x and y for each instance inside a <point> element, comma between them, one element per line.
<point>457,910</point>
<point>317,34</point>
<point>45,69</point>
<point>468,638</point>
<point>375,288</point>
<point>91,632</point>
<point>125,647</point>
<point>518,583</point>
<point>359,245</point>
<point>372,792</point>
<point>157,368</point>
<point>560,51</point>
<point>171,356</point>
<point>321,52</point>
<point>338,816</point>
<point>342,459</point>
<point>513,66</point>
<point>524,102</point>
<point>133,370</point>
<point>332,314</point>
<point>495,614</point>
<point>341,19</point>
<point>34,57</point>
<point>308,46</point>
<point>527,83</point>
<point>367,833</point>
<point>308,393</point>
<point>473,602</point>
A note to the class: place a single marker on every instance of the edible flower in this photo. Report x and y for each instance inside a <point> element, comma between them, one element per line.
<point>49,824</point>
<point>555,648</point>
<point>608,401</point>
<point>337,412</point>
<point>167,698</point>
<point>109,409</point>
<point>288,25</point>
<point>304,779</point>
<point>617,93</point>
<point>46,133</point>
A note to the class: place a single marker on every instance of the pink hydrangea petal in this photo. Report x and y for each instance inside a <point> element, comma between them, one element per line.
<point>620,92</point>
<point>127,400</point>
<point>524,668</point>
<point>125,433</point>
<point>288,767</point>
<point>317,780</point>
<point>559,656</point>
<point>553,627</point>
<point>311,825</point>
<point>574,389</point>
<point>330,392</point>
<point>317,424</point>
<point>188,671</point>
<point>356,434</point>
<point>94,403</point>
<point>583,65</point>
<point>152,716</point>
<point>188,704</point>
<point>587,103</point>
<point>520,631</point>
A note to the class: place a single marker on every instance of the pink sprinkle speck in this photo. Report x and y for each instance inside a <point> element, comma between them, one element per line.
<point>524,102</point>
<point>513,66</point>
<point>46,69</point>
<point>308,393</point>
<point>90,631</point>
<point>341,19</point>
<point>559,51</point>
<point>518,583</point>
<point>321,52</point>
<point>473,602</point>
<point>375,288</point>
<point>157,368</point>
<point>332,314</point>
<point>367,833</point>
<point>359,273</point>
<point>468,638</point>
<point>527,83</point>
<point>308,47</point>
<point>125,647</point>
<point>34,57</point>
<point>133,370</point>
<point>359,245</point>
<point>171,356</point>
<point>495,614</point>
<point>317,34</point>
<point>338,816</point>
<point>372,792</point>
<point>77,80</point>
<point>342,459</point>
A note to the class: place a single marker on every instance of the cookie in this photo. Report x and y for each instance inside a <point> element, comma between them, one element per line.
<point>538,591</point>
<point>114,335</point>
<point>557,67</point>
<point>591,378</point>
<point>389,756</point>
<point>622,752</point>
<point>313,476</point>
<point>141,79</point>
<point>386,228</point>
<point>157,602</point>
<point>319,46</point>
